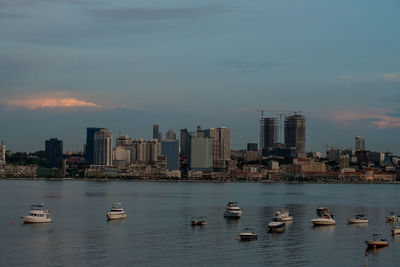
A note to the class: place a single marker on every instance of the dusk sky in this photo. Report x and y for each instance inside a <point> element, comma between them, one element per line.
<point>125,65</point>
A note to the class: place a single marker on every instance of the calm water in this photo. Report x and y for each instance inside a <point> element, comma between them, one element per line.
<point>157,230</point>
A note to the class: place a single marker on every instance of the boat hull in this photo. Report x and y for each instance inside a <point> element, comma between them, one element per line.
<point>396,231</point>
<point>31,219</point>
<point>354,221</point>
<point>234,214</point>
<point>116,216</point>
<point>376,244</point>
<point>248,237</point>
<point>323,222</point>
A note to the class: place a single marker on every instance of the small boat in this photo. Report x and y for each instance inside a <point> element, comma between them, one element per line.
<point>325,218</point>
<point>116,212</point>
<point>284,214</point>
<point>37,214</point>
<point>358,219</point>
<point>393,217</point>
<point>377,242</point>
<point>396,229</point>
<point>232,210</point>
<point>199,221</point>
<point>276,225</point>
<point>247,236</point>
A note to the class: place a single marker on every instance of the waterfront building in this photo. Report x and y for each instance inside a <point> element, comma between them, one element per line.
<point>170,149</point>
<point>53,153</point>
<point>359,143</point>
<point>90,143</point>
<point>344,162</point>
<point>170,135</point>
<point>295,132</point>
<point>221,145</point>
<point>2,153</point>
<point>201,156</point>
<point>252,147</point>
<point>268,132</point>
<point>138,152</point>
<point>153,150</point>
<point>102,148</point>
<point>185,141</point>
<point>121,156</point>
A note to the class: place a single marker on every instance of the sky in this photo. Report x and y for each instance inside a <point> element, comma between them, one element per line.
<point>125,65</point>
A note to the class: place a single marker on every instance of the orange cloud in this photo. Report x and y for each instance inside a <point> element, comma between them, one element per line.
<point>376,119</point>
<point>49,102</point>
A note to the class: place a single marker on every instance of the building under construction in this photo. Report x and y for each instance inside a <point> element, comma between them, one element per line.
<point>268,132</point>
<point>295,132</point>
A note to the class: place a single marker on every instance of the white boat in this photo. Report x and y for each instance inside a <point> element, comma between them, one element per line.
<point>116,212</point>
<point>324,217</point>
<point>276,225</point>
<point>37,214</point>
<point>358,219</point>
<point>284,215</point>
<point>247,236</point>
<point>393,217</point>
<point>232,210</point>
<point>396,229</point>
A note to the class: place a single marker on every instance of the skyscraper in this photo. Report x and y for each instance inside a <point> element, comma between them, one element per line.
<point>170,149</point>
<point>102,148</point>
<point>359,143</point>
<point>90,143</point>
<point>185,143</point>
<point>268,132</point>
<point>221,144</point>
<point>170,135</point>
<point>53,153</point>
<point>156,132</point>
<point>295,132</point>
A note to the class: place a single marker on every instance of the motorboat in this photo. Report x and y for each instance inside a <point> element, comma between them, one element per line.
<point>247,236</point>
<point>232,210</point>
<point>116,212</point>
<point>377,242</point>
<point>198,221</point>
<point>358,219</point>
<point>325,218</point>
<point>393,217</point>
<point>396,229</point>
<point>37,214</point>
<point>284,214</point>
<point>276,225</point>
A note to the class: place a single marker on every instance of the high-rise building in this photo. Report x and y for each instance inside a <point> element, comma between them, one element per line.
<point>359,143</point>
<point>185,137</point>
<point>2,153</point>
<point>156,132</point>
<point>268,132</point>
<point>153,150</point>
<point>221,144</point>
<point>102,148</point>
<point>252,147</point>
<point>201,156</point>
<point>138,152</point>
<point>170,135</point>
<point>295,132</point>
<point>53,153</point>
<point>90,143</point>
<point>170,149</point>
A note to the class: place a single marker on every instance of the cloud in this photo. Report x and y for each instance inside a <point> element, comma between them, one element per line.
<point>154,13</point>
<point>391,76</point>
<point>49,102</point>
<point>374,119</point>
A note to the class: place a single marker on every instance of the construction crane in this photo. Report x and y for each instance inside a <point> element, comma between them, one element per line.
<point>280,113</point>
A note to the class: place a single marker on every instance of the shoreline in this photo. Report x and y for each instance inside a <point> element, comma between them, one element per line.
<point>194,180</point>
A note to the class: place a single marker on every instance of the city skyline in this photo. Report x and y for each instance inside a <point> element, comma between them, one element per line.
<point>128,65</point>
